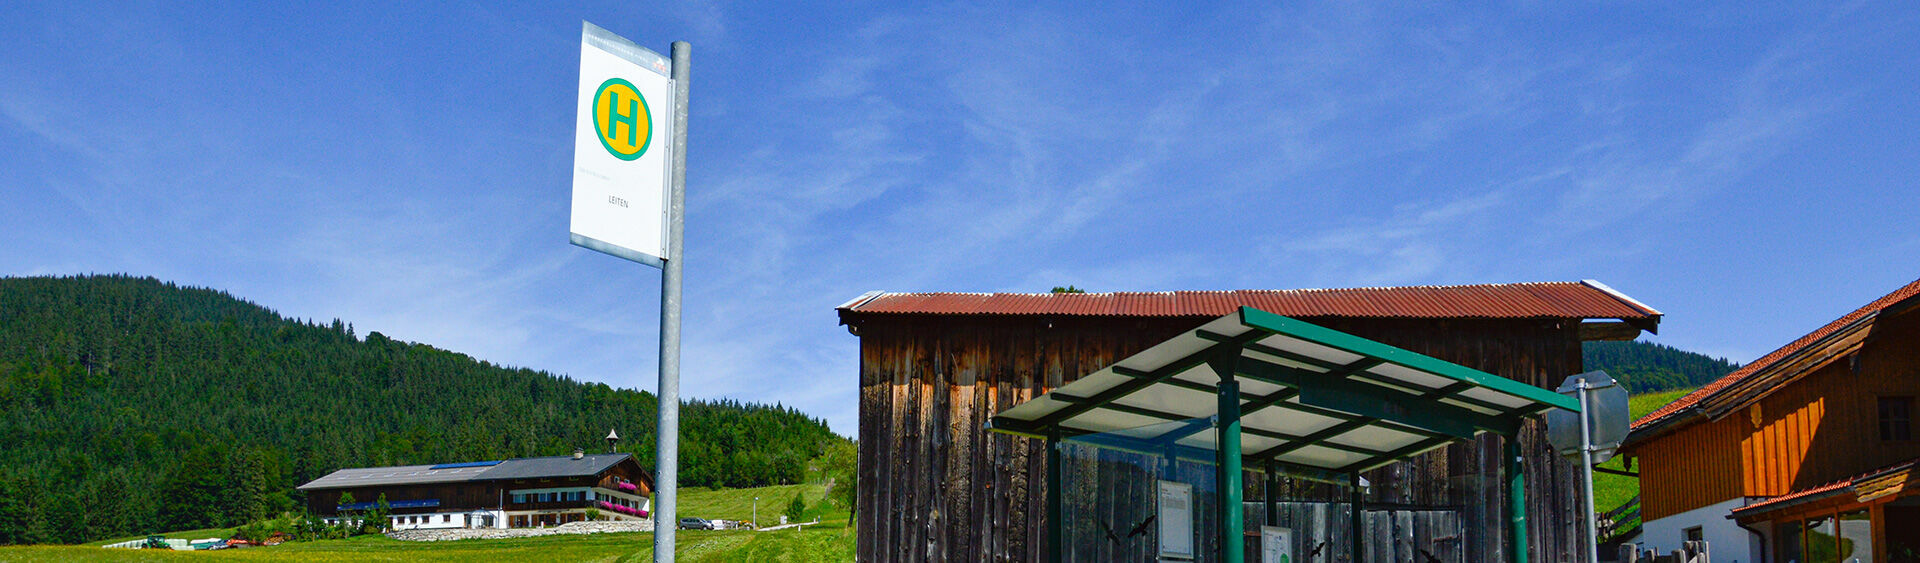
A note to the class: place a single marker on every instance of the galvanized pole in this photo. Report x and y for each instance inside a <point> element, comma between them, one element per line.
<point>667,455</point>
<point>1586,470</point>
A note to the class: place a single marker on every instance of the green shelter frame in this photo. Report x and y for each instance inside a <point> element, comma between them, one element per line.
<point>1283,396</point>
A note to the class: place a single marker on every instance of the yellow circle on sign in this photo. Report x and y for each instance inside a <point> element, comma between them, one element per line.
<point>623,119</point>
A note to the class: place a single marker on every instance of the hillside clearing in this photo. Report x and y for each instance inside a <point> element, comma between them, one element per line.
<point>1611,490</point>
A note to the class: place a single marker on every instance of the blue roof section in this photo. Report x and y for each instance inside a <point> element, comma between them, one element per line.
<point>466,464</point>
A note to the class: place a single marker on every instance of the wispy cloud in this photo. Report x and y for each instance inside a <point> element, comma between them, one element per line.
<point>902,148</point>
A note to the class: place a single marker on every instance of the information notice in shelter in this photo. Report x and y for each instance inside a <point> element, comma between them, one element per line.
<point>622,145</point>
<point>1176,520</point>
<point>1276,544</point>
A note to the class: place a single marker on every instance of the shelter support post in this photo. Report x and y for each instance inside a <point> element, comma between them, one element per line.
<point>1516,502</point>
<point>1056,540</point>
<point>1359,516</point>
<point>1232,513</point>
<point>1272,496</point>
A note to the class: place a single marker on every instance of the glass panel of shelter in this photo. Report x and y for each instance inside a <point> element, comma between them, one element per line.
<point>1110,503</point>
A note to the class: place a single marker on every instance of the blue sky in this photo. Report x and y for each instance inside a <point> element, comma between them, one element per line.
<point>1748,170</point>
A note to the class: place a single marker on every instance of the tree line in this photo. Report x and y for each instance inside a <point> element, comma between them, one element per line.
<point>1646,367</point>
<point>130,405</point>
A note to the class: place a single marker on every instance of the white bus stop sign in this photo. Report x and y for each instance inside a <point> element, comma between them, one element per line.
<point>622,144</point>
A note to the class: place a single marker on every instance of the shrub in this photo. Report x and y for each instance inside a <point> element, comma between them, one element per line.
<point>796,509</point>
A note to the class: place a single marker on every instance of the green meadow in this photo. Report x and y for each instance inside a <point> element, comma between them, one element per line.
<point>831,540</point>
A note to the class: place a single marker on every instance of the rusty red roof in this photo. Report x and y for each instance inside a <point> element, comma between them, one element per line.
<point>1558,300</point>
<point>1774,357</point>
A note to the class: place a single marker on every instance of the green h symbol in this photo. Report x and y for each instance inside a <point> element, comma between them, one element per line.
<point>631,118</point>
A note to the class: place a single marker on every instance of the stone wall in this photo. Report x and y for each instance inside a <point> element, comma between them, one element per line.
<point>495,533</point>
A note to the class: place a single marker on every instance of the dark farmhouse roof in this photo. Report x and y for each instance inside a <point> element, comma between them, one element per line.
<point>1545,300</point>
<point>523,468</point>
<point>1779,367</point>
<point>551,467</point>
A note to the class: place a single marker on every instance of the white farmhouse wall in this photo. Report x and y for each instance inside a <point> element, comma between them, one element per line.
<point>1729,542</point>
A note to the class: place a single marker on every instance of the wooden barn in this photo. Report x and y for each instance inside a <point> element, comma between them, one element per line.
<point>1802,455</point>
<point>935,367</point>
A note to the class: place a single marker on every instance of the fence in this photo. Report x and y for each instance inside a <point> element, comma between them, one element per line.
<point>1620,523</point>
<point>1690,552</point>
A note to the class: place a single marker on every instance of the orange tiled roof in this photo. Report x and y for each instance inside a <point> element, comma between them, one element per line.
<point>1774,357</point>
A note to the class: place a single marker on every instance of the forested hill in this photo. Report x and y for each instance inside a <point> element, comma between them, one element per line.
<point>129,405</point>
<point>1646,366</point>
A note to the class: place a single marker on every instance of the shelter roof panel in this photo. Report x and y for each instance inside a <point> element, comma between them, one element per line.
<point>1376,437</point>
<point>1106,420</point>
<point>1325,354</point>
<point>1489,396</point>
<point>1187,403</point>
<point>1478,407</point>
<point>1419,378</point>
<point>1283,419</point>
<point>1257,388</point>
<point>1322,456</point>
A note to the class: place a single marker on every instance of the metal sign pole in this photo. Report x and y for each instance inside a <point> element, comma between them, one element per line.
<point>667,454</point>
<point>1586,470</point>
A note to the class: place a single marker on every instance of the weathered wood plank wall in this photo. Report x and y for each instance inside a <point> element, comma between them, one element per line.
<point>934,486</point>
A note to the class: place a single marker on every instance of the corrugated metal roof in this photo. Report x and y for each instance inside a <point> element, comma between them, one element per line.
<point>1560,300</point>
<point>1772,358</point>
<point>523,468</point>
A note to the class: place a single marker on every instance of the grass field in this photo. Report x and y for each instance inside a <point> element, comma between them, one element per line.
<point>1609,490</point>
<point>832,540</point>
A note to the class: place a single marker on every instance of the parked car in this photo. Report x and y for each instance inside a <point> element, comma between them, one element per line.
<point>695,524</point>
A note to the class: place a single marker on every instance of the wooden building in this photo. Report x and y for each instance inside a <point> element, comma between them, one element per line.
<point>1802,455</point>
<point>936,486</point>
<point>515,493</point>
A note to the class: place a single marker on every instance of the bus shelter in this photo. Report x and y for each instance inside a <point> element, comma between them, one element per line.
<point>1257,391</point>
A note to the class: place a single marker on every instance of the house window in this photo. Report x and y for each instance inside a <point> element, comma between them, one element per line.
<point>445,518</point>
<point>1856,533</point>
<point>1896,418</point>
<point>1693,534</point>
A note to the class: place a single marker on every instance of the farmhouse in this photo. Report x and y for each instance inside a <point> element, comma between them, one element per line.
<point>1803,455</point>
<point>936,485</point>
<point>515,493</point>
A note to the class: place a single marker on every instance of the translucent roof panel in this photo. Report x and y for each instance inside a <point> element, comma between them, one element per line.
<point>1311,398</point>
